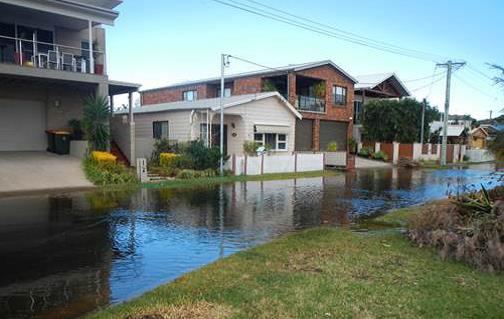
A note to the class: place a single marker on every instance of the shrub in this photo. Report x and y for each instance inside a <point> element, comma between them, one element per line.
<point>103,157</point>
<point>250,147</point>
<point>352,145</point>
<point>497,146</point>
<point>468,228</point>
<point>365,152</point>
<point>162,146</point>
<point>108,173</point>
<point>96,122</point>
<point>381,156</point>
<point>187,174</point>
<point>332,147</point>
<point>168,159</point>
<point>202,157</point>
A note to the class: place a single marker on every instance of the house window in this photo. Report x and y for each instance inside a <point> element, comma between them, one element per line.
<point>357,112</point>
<point>160,129</point>
<point>227,92</point>
<point>274,142</point>
<point>190,95</point>
<point>339,95</point>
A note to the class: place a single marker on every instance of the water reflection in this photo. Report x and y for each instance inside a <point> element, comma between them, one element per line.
<point>63,256</point>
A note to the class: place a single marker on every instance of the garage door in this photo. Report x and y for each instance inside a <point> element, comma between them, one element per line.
<point>332,131</point>
<point>22,125</point>
<point>304,132</point>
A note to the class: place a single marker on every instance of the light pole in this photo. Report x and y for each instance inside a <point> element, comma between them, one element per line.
<point>224,64</point>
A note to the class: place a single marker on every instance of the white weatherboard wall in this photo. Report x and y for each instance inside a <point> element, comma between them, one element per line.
<point>285,163</point>
<point>120,130</point>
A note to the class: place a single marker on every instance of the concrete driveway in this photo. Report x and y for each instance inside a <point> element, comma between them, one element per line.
<point>367,163</point>
<point>40,171</point>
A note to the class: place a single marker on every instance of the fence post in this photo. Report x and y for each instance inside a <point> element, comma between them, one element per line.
<point>377,147</point>
<point>295,161</point>
<point>395,152</point>
<point>262,164</point>
<point>233,167</point>
<point>245,165</point>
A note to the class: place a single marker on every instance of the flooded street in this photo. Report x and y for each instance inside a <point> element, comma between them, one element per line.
<point>64,256</point>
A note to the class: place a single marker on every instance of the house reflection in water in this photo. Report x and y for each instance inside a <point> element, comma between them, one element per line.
<point>55,259</point>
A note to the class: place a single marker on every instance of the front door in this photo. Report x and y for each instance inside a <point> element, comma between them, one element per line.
<point>215,135</point>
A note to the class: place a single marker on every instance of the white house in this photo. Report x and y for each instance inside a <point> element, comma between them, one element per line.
<point>267,118</point>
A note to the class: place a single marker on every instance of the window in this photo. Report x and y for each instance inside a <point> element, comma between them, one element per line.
<point>160,130</point>
<point>274,142</point>
<point>339,95</point>
<point>357,112</point>
<point>190,95</point>
<point>227,92</point>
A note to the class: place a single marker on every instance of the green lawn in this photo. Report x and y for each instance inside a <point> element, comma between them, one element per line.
<point>240,178</point>
<point>326,273</point>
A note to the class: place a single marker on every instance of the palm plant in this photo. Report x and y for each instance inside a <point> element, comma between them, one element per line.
<point>96,122</point>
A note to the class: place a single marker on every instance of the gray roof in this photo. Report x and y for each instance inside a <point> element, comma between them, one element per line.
<point>283,69</point>
<point>370,81</point>
<point>209,104</point>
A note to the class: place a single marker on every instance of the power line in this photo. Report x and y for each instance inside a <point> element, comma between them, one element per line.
<point>476,71</point>
<point>474,87</point>
<point>426,77</point>
<point>320,31</point>
<point>344,31</point>
<point>441,77</point>
<point>432,82</point>
<point>254,63</point>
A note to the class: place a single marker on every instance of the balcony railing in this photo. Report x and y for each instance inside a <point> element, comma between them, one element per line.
<point>44,55</point>
<point>311,104</point>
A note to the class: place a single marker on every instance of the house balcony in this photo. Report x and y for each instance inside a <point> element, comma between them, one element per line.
<point>50,56</point>
<point>311,104</point>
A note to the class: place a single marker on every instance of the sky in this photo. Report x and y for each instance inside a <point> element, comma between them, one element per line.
<point>169,41</point>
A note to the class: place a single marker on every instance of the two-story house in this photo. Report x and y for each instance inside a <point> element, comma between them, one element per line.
<point>371,87</point>
<point>322,92</point>
<point>52,57</point>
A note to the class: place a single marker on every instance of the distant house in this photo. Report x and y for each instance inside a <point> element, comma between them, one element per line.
<point>321,91</point>
<point>371,87</point>
<point>267,118</point>
<point>480,136</point>
<point>456,134</point>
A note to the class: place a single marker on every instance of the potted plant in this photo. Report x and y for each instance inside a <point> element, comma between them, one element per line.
<point>98,67</point>
<point>96,122</point>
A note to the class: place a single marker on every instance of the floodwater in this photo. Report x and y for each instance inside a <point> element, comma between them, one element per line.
<point>64,256</point>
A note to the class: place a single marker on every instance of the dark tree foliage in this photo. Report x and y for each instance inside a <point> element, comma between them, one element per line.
<point>499,79</point>
<point>497,146</point>
<point>399,121</point>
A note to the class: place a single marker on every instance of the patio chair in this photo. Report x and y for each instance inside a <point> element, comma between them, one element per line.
<point>42,60</point>
<point>80,64</point>
<point>53,60</point>
<point>68,62</point>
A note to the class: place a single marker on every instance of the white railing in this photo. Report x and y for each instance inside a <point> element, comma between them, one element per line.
<point>38,54</point>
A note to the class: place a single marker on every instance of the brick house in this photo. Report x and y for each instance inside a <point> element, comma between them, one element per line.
<point>321,91</point>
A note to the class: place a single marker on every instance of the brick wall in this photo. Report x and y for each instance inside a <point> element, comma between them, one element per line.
<point>168,95</point>
<point>247,85</point>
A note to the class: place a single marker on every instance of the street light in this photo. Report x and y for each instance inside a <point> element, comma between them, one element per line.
<point>224,64</point>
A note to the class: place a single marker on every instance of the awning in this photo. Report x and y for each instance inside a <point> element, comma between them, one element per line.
<point>271,128</point>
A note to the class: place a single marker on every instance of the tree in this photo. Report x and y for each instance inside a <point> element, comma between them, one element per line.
<point>399,121</point>
<point>499,79</point>
<point>96,122</point>
<point>497,146</point>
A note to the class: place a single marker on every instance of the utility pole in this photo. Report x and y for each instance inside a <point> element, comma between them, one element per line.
<point>449,65</point>
<point>491,114</point>
<point>424,103</point>
<point>224,64</point>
